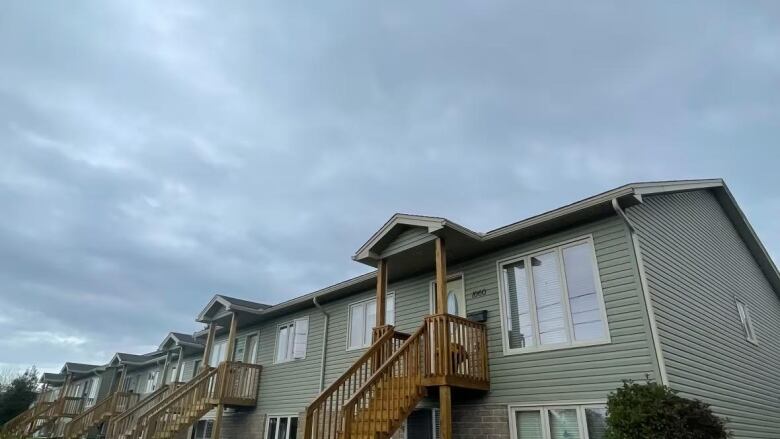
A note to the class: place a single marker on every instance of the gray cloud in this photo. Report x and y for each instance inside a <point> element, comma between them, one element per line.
<point>154,154</point>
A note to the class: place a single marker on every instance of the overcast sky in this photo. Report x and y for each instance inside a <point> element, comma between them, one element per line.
<point>156,153</point>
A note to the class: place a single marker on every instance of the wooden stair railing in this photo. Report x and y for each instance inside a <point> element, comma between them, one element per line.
<point>100,412</point>
<point>230,383</point>
<point>445,350</point>
<point>379,407</point>
<point>324,415</point>
<point>122,426</point>
<point>22,423</point>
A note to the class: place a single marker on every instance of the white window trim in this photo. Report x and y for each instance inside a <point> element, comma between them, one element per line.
<point>268,422</point>
<point>222,342</point>
<point>349,318</point>
<point>290,323</point>
<point>432,290</point>
<point>580,406</point>
<point>746,321</point>
<point>504,306</point>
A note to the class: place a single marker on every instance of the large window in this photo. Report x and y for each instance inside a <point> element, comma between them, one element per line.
<point>747,322</point>
<point>291,339</point>
<point>559,422</point>
<point>282,427</point>
<point>552,298</point>
<point>362,318</point>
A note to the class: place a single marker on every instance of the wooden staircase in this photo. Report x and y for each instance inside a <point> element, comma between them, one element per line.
<point>101,412</point>
<point>229,384</point>
<point>123,426</point>
<point>376,395</point>
<point>23,423</point>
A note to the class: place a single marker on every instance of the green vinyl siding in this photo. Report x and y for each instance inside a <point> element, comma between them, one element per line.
<point>288,387</point>
<point>575,373</point>
<point>406,239</point>
<point>571,374</point>
<point>697,266</point>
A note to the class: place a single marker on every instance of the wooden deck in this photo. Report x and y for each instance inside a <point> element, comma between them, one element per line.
<point>374,396</point>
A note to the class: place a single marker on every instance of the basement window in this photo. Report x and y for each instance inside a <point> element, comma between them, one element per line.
<point>282,427</point>
<point>566,421</point>
<point>747,322</point>
<point>203,430</point>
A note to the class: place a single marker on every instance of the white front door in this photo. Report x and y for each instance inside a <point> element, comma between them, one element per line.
<point>456,297</point>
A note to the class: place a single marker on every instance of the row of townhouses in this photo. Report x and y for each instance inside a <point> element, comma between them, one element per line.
<point>520,332</point>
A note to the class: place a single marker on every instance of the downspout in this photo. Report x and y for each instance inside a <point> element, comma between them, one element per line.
<point>324,342</point>
<point>635,245</point>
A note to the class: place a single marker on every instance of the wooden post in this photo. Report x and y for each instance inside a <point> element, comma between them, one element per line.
<point>445,412</point>
<point>209,342</point>
<point>441,276</point>
<point>381,292</point>
<point>231,343</point>
<point>445,392</point>
<point>63,393</point>
<point>217,432</point>
<point>122,375</point>
<point>178,365</point>
<point>165,370</point>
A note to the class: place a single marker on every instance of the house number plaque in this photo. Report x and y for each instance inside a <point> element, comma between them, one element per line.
<point>479,293</point>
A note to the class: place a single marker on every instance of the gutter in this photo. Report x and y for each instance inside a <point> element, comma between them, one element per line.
<point>324,352</point>
<point>640,266</point>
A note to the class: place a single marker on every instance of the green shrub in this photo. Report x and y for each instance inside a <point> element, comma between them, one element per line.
<point>654,411</point>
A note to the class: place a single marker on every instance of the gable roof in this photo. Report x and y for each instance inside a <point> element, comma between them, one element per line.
<point>474,243</point>
<point>221,303</point>
<point>181,339</point>
<point>52,378</point>
<point>79,368</point>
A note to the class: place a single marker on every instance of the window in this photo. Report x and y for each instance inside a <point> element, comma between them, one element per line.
<point>747,322</point>
<point>217,353</point>
<point>173,373</point>
<point>203,430</point>
<point>250,349</point>
<point>151,381</point>
<point>570,422</point>
<point>423,424</point>
<point>131,384</point>
<point>362,318</point>
<point>552,298</point>
<point>291,340</point>
<point>195,368</point>
<point>282,427</point>
<point>93,390</point>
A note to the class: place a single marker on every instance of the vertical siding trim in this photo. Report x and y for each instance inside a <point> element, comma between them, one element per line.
<point>640,266</point>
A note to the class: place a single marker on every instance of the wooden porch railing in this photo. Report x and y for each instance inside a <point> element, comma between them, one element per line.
<point>445,350</point>
<point>121,427</point>
<point>117,403</point>
<point>324,415</point>
<point>71,406</point>
<point>230,383</point>
<point>456,353</point>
